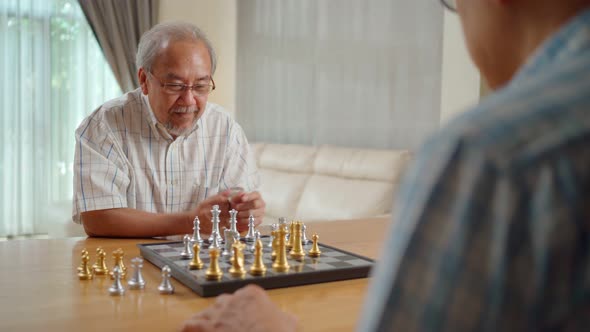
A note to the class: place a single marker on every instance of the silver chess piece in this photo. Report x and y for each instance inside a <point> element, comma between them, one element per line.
<point>230,239</point>
<point>215,224</point>
<point>166,286</point>
<point>196,231</point>
<point>215,241</point>
<point>304,239</point>
<point>117,288</point>
<point>250,237</point>
<point>136,281</point>
<point>187,250</point>
<point>273,227</point>
<point>233,221</point>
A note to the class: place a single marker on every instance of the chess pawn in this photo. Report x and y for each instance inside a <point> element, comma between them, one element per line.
<point>187,252</point>
<point>117,287</point>
<point>273,227</point>
<point>237,268</point>
<point>297,252</point>
<point>304,239</point>
<point>315,248</point>
<point>137,281</point>
<point>290,235</point>
<point>250,236</point>
<point>258,268</point>
<point>196,231</point>
<point>98,250</point>
<point>166,286</point>
<point>100,267</point>
<point>275,244</point>
<point>196,263</point>
<point>82,253</point>
<point>213,272</point>
<point>85,272</point>
<point>118,256</point>
<point>280,264</point>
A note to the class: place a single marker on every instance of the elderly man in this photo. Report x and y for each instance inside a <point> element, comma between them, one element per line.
<point>149,162</point>
<point>491,231</point>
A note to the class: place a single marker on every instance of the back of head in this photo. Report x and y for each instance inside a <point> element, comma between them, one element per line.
<point>157,38</point>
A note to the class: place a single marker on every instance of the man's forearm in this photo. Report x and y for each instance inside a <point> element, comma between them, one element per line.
<point>125,222</point>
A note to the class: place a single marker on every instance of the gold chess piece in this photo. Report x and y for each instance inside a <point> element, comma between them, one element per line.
<point>237,262</point>
<point>315,248</point>
<point>297,252</point>
<point>82,253</point>
<point>275,244</point>
<point>100,267</point>
<point>213,272</point>
<point>118,256</point>
<point>196,263</point>
<point>291,231</point>
<point>85,271</point>
<point>258,268</point>
<point>96,263</point>
<point>280,264</point>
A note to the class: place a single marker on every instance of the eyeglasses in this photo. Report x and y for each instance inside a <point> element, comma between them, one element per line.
<point>450,4</point>
<point>200,90</point>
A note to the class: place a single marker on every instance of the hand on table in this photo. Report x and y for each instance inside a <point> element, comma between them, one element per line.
<point>248,309</point>
<point>248,204</point>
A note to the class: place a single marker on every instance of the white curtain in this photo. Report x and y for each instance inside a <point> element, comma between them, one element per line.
<point>52,74</point>
<point>358,73</point>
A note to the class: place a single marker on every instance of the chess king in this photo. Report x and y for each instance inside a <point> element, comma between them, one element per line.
<point>150,161</point>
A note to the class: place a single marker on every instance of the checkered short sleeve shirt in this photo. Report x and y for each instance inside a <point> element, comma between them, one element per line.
<point>124,158</point>
<point>491,229</point>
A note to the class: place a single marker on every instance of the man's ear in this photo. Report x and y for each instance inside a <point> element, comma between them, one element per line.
<point>142,77</point>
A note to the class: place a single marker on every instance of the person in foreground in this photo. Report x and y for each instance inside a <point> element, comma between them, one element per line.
<point>149,162</point>
<point>492,230</point>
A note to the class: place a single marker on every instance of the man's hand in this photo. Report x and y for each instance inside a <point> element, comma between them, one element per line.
<point>205,207</point>
<point>248,204</point>
<point>248,309</point>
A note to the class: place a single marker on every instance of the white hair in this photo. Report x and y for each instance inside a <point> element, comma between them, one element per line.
<point>151,42</point>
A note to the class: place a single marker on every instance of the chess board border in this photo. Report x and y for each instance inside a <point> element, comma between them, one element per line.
<point>185,277</point>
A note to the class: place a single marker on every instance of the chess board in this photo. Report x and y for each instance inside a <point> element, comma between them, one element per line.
<point>333,264</point>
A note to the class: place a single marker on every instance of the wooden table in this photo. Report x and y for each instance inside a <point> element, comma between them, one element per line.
<point>40,290</point>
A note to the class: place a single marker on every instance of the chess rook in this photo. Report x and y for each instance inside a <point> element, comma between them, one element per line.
<point>136,281</point>
<point>213,272</point>
<point>281,264</point>
<point>297,253</point>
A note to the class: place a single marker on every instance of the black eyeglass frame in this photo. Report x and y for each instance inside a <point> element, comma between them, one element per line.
<point>448,6</point>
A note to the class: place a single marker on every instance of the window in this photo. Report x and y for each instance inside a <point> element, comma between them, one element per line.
<point>52,75</point>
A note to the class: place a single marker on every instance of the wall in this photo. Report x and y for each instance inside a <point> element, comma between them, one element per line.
<point>218,20</point>
<point>461,83</point>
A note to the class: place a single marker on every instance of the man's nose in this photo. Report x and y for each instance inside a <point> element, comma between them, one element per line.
<point>187,97</point>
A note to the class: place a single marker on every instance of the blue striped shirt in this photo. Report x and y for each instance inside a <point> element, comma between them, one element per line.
<point>492,230</point>
<point>125,158</point>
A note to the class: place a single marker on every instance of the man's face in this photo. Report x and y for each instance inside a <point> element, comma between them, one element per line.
<point>178,62</point>
<point>488,28</point>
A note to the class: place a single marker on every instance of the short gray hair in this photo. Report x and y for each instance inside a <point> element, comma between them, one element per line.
<point>152,40</point>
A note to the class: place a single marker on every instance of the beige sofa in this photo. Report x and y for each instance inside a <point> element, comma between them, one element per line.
<point>326,183</point>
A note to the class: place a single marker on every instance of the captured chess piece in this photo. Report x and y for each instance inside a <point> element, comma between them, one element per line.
<point>137,281</point>
<point>84,271</point>
<point>82,253</point>
<point>187,251</point>
<point>166,286</point>
<point>100,267</point>
<point>196,263</point>
<point>117,287</point>
<point>196,231</point>
<point>280,264</point>
<point>118,256</point>
<point>297,253</point>
<point>315,248</point>
<point>214,271</point>
<point>258,268</point>
<point>237,263</point>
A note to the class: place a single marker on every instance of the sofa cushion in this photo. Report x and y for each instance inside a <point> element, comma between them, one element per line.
<point>281,192</point>
<point>288,157</point>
